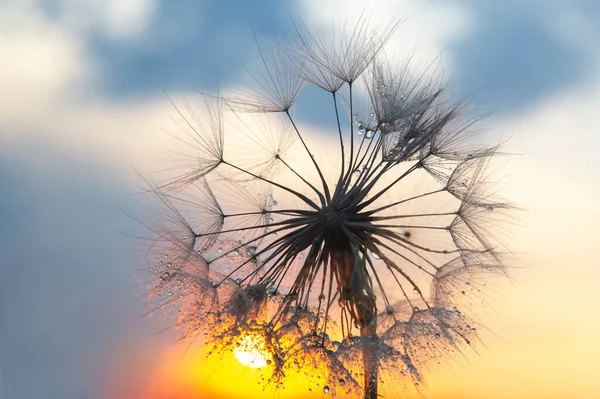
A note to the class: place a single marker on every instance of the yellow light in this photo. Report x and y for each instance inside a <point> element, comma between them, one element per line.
<point>251,351</point>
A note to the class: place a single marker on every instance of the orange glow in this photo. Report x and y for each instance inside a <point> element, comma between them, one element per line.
<point>251,352</point>
<point>542,341</point>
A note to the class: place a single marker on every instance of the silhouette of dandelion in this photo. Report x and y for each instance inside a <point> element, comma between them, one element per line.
<point>351,277</point>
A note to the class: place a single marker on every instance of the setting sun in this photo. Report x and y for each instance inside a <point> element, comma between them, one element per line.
<point>250,351</point>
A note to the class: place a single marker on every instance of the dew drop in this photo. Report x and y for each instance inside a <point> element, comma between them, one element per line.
<point>416,291</point>
<point>437,335</point>
<point>326,389</point>
<point>375,256</point>
<point>361,129</point>
<point>370,134</point>
<point>321,298</point>
<point>342,382</point>
<point>489,208</point>
<point>365,293</point>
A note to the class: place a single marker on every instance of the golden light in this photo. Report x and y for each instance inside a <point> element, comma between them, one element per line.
<point>251,351</point>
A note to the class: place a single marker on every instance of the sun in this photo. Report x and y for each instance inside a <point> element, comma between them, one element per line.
<point>251,351</point>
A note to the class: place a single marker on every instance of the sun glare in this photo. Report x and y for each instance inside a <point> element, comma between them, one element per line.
<point>251,352</point>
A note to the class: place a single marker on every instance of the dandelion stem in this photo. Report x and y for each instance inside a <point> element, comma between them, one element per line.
<point>303,179</point>
<point>312,157</point>
<point>351,167</point>
<point>371,212</point>
<point>303,197</point>
<point>343,155</point>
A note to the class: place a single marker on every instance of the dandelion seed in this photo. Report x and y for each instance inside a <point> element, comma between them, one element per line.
<point>322,278</point>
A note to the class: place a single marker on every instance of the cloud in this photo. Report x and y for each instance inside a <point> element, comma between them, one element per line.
<point>41,61</point>
<point>427,27</point>
<point>119,19</point>
<point>520,52</point>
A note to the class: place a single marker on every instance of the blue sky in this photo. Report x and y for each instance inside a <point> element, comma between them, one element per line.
<point>83,104</point>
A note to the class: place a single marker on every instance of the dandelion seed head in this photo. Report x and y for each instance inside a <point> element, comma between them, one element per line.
<point>353,275</point>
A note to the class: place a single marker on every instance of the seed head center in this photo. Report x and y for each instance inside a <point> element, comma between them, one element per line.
<point>332,219</point>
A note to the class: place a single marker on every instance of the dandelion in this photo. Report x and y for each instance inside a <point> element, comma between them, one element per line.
<point>350,276</point>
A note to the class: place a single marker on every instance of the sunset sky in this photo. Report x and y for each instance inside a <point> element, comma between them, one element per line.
<point>82,113</point>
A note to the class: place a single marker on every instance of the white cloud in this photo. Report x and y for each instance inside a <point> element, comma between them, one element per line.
<point>40,61</point>
<point>426,28</point>
<point>45,76</point>
<point>119,19</point>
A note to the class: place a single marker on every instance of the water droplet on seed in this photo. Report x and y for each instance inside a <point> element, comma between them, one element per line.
<point>326,389</point>
<point>361,129</point>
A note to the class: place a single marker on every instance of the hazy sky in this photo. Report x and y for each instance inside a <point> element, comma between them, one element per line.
<point>82,106</point>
